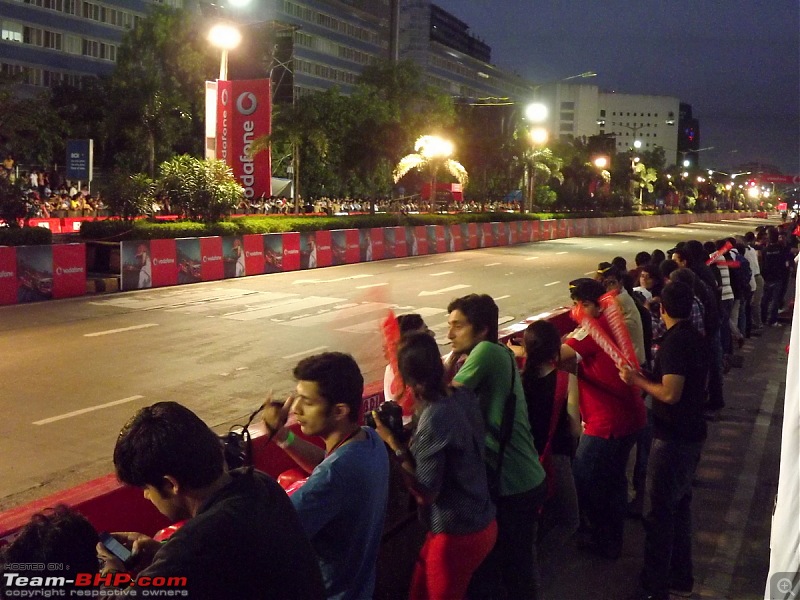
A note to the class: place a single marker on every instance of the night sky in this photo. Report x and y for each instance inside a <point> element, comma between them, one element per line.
<point>737,62</point>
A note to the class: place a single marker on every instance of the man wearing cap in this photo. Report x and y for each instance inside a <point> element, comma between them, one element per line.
<point>613,413</point>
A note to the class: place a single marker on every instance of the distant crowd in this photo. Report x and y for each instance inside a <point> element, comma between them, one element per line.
<point>511,451</point>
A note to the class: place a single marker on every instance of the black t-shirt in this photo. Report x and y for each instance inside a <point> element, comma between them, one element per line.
<point>682,352</point>
<point>775,261</point>
<point>540,398</point>
<point>245,542</point>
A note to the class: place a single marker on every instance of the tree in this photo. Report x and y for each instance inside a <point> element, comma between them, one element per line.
<point>158,90</point>
<point>129,196</point>
<point>200,189</point>
<point>427,158</point>
<point>13,206</point>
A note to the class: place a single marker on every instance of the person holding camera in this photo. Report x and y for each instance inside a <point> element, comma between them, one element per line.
<point>342,505</point>
<point>443,467</point>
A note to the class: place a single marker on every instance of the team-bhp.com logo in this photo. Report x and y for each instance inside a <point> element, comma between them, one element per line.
<point>29,585</point>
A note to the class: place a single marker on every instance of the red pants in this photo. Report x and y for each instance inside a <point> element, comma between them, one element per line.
<point>446,563</point>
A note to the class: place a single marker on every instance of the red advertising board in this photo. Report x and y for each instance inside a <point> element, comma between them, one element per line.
<point>421,237</point>
<point>243,115</point>
<point>398,247</point>
<point>8,275</point>
<point>324,253</point>
<point>253,254</point>
<point>211,265</point>
<point>352,253</point>
<point>536,231</point>
<point>69,270</point>
<point>53,225</point>
<point>513,232</point>
<point>486,236</point>
<point>472,236</point>
<point>454,243</point>
<point>562,228</point>
<point>500,233</point>
<point>545,230</point>
<point>291,251</point>
<point>165,263</point>
<point>376,237</point>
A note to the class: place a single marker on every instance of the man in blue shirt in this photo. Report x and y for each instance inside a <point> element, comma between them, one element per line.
<point>342,506</point>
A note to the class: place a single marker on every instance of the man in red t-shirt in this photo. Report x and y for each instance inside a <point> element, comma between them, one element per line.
<point>613,413</point>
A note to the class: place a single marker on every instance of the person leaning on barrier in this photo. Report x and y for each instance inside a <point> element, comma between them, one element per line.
<point>445,472</point>
<point>490,370</point>
<point>243,538</point>
<point>342,505</point>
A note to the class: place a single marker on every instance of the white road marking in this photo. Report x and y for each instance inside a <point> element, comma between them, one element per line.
<point>551,283</point>
<point>502,297</point>
<point>452,288</point>
<point>442,273</point>
<point>304,352</point>
<point>590,272</point>
<point>402,265</point>
<point>339,315</point>
<point>504,320</point>
<point>360,276</point>
<point>626,242</point>
<point>281,308</point>
<point>565,252</point>
<point>532,258</point>
<point>120,330</point>
<point>371,285</point>
<point>441,262</point>
<point>83,411</point>
<point>492,264</point>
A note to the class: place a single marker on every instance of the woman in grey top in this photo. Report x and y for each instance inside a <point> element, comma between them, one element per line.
<point>444,469</point>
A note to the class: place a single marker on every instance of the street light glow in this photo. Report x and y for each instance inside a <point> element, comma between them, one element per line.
<point>687,163</point>
<point>601,162</point>
<point>432,146</point>
<point>224,36</point>
<point>238,3</point>
<point>637,144</point>
<point>539,135</point>
<point>536,112</point>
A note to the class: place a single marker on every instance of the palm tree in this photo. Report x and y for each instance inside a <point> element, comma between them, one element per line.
<point>431,152</point>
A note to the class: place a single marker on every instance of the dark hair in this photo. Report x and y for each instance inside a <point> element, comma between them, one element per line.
<point>55,536</point>
<point>542,343</point>
<point>677,298</point>
<point>709,247</point>
<point>410,322</point>
<point>657,257</point>
<point>749,237</point>
<point>684,275</point>
<point>603,268</point>
<point>642,258</point>
<point>620,263</point>
<point>585,289</point>
<point>420,364</point>
<point>338,379</point>
<point>668,266</point>
<point>658,280</point>
<point>167,439</point>
<point>481,312</point>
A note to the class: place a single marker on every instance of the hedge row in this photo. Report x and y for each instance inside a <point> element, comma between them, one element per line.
<point>25,236</point>
<point>116,230</point>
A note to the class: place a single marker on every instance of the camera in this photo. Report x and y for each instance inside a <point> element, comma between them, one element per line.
<point>391,415</point>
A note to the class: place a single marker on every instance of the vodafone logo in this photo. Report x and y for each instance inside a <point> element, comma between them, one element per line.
<point>246,103</point>
<point>163,261</point>
<point>212,258</point>
<point>253,253</point>
<point>6,274</point>
<point>68,270</point>
<point>224,97</point>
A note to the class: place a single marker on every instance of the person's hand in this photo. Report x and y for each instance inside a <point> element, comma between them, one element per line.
<point>142,547</point>
<point>385,434</point>
<point>518,350</point>
<point>627,375</point>
<point>276,413</point>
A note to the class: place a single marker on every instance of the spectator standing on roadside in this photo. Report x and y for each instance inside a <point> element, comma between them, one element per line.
<point>754,256</point>
<point>776,260</point>
<point>613,414</point>
<point>679,430</point>
<point>613,279</point>
<point>342,506</point>
<point>242,539</point>
<point>490,370</point>
<point>445,472</point>
<point>554,415</point>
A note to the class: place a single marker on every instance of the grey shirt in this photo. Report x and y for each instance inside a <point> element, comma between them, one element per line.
<point>448,447</point>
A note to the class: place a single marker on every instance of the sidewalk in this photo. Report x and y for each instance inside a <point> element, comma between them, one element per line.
<point>734,494</point>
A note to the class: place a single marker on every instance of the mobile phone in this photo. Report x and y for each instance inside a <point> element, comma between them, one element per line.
<point>115,547</point>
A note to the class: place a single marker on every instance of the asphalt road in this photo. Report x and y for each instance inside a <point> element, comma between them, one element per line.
<point>75,370</point>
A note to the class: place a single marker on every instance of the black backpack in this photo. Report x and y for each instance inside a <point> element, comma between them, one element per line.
<point>740,275</point>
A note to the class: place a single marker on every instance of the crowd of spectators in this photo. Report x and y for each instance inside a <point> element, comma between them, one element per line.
<point>509,450</point>
<point>276,205</point>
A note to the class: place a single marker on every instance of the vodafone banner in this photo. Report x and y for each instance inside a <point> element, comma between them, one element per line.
<point>8,275</point>
<point>244,114</point>
<point>69,270</point>
<point>165,262</point>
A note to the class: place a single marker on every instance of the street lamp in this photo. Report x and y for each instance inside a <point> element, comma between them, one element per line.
<point>225,37</point>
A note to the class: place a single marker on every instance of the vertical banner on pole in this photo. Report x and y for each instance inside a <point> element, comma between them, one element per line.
<point>8,275</point>
<point>243,115</point>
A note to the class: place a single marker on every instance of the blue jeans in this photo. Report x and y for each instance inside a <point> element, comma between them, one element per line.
<point>725,307</point>
<point>668,523</point>
<point>602,486</point>
<point>771,301</point>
